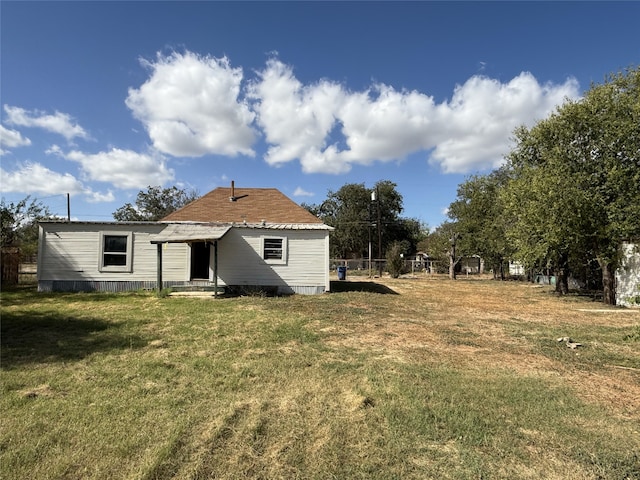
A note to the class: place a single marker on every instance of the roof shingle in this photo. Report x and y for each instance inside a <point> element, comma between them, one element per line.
<point>251,205</point>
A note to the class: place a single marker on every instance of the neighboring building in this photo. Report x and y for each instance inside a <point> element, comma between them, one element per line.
<point>516,269</point>
<point>245,238</point>
<point>473,264</point>
<point>628,276</point>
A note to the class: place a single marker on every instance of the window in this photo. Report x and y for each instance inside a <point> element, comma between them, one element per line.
<point>274,249</point>
<point>115,252</point>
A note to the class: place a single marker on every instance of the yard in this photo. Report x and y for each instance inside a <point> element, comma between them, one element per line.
<point>402,378</point>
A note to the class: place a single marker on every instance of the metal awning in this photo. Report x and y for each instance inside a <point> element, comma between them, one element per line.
<point>190,232</point>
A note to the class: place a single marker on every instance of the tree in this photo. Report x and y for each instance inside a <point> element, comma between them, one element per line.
<point>575,188</point>
<point>20,224</point>
<point>358,219</point>
<point>447,246</point>
<point>479,215</point>
<point>155,204</point>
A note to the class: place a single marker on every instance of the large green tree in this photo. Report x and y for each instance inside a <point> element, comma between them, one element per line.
<point>478,213</point>
<point>446,246</point>
<point>154,204</point>
<point>20,224</point>
<point>359,218</point>
<point>575,188</point>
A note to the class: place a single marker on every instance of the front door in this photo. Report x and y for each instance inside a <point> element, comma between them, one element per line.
<point>200,258</point>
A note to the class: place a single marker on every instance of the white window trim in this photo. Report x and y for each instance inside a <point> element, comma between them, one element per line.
<point>274,261</point>
<point>127,267</point>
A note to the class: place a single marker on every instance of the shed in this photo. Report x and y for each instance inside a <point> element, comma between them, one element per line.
<point>628,275</point>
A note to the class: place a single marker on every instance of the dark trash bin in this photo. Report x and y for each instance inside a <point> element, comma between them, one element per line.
<point>342,273</point>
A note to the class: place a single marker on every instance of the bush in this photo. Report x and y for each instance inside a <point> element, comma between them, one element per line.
<point>394,260</point>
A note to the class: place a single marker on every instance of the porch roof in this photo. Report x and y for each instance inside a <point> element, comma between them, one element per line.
<point>190,232</point>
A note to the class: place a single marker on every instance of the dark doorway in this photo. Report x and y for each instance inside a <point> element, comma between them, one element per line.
<point>200,255</point>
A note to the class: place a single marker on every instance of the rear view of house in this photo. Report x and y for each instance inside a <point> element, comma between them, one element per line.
<point>245,238</point>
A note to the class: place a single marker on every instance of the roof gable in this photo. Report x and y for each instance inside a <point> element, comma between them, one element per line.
<point>239,205</point>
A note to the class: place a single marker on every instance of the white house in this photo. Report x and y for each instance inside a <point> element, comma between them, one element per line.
<point>628,276</point>
<point>245,238</point>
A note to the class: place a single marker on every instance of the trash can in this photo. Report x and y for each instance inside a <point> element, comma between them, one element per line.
<point>342,273</point>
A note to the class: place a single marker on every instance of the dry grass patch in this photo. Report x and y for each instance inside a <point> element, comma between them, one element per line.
<point>442,379</point>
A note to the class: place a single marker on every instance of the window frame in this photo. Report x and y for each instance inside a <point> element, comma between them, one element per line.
<point>284,254</point>
<point>128,254</point>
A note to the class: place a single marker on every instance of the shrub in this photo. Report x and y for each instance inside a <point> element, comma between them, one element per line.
<point>394,260</point>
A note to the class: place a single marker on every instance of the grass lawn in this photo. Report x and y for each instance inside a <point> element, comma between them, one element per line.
<point>405,378</point>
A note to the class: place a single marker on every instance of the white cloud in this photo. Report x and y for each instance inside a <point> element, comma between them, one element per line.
<point>35,178</point>
<point>300,192</point>
<point>97,197</point>
<point>12,139</point>
<point>385,124</point>
<point>123,168</point>
<point>296,120</point>
<point>471,131</point>
<point>190,106</point>
<point>482,115</point>
<point>60,123</point>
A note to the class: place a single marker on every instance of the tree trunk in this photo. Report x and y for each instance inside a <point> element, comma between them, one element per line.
<point>608,283</point>
<point>452,256</point>
<point>562,275</point>
<point>452,264</point>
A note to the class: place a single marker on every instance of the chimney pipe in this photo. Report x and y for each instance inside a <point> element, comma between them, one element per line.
<point>233,191</point>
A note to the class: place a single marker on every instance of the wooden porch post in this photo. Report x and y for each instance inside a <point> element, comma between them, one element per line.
<point>159,268</point>
<point>215,269</point>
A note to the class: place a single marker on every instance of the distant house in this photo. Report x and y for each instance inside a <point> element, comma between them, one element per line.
<point>472,264</point>
<point>244,238</point>
<point>628,276</point>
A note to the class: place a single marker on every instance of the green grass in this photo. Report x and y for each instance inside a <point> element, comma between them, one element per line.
<point>354,384</point>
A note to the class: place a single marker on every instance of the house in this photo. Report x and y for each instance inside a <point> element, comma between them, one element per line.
<point>237,239</point>
<point>472,264</point>
<point>628,275</point>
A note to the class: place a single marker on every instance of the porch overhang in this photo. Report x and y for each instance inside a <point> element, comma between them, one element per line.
<point>190,232</point>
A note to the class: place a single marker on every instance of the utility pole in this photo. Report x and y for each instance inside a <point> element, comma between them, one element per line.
<point>373,199</point>
<point>68,209</point>
<point>379,231</point>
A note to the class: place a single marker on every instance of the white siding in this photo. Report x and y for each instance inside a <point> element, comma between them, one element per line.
<point>628,276</point>
<point>71,252</point>
<point>240,259</point>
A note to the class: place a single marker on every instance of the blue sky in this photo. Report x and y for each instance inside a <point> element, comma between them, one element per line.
<point>101,99</point>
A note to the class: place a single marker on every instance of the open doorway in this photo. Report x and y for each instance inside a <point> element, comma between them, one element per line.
<point>200,258</point>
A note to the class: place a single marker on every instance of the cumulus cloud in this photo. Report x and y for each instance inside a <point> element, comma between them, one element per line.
<point>36,178</point>
<point>190,106</point>
<point>296,119</point>
<point>301,192</point>
<point>98,197</point>
<point>12,139</point>
<point>329,129</point>
<point>482,115</point>
<point>60,123</point>
<point>123,168</point>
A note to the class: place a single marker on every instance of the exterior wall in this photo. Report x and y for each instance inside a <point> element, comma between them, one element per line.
<point>69,258</point>
<point>240,261</point>
<point>628,276</point>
